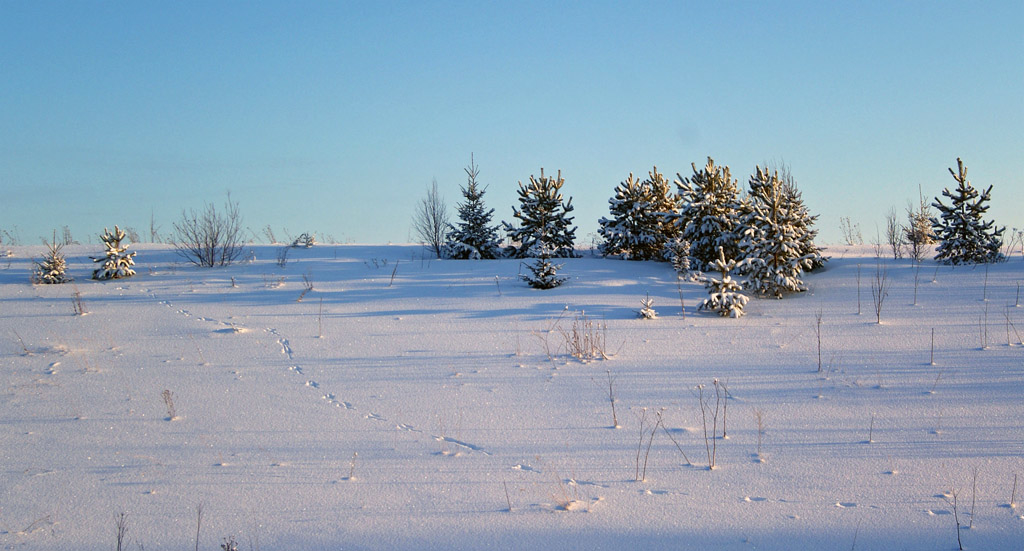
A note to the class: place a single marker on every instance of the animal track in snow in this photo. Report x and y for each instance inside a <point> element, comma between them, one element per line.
<point>468,446</point>
<point>333,400</point>
<point>286,348</point>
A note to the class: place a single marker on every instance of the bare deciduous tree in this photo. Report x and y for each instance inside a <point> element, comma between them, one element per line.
<point>210,237</point>
<point>850,231</point>
<point>430,221</point>
<point>894,234</point>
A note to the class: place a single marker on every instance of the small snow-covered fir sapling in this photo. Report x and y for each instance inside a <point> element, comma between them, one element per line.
<point>543,273</point>
<point>725,297</point>
<point>647,312</point>
<point>306,240</point>
<point>964,238</point>
<point>117,262</point>
<point>53,267</point>
<point>677,251</point>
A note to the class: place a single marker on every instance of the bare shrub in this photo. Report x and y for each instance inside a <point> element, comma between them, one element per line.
<point>879,288</point>
<point>121,527</point>
<point>77,304</point>
<point>210,237</point>
<point>430,221</point>
<point>850,231</point>
<point>918,231</point>
<point>706,410</point>
<point>307,285</point>
<point>168,397</point>
<point>894,234</point>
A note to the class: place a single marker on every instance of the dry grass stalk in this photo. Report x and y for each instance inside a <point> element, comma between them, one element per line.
<point>585,339</point>
<point>673,439</point>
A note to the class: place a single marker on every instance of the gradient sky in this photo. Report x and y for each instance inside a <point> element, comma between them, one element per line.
<point>335,117</point>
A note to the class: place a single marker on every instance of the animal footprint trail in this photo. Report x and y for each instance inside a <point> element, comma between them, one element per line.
<point>461,444</point>
<point>286,348</point>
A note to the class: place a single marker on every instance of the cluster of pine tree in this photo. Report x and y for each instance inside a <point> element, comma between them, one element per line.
<point>544,229</point>
<point>640,226</point>
<point>117,261</point>
<point>766,233</point>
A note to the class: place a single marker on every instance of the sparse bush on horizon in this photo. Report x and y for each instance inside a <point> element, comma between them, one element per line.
<point>210,237</point>
<point>430,221</point>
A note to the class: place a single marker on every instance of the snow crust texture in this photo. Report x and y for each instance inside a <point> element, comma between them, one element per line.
<point>409,403</point>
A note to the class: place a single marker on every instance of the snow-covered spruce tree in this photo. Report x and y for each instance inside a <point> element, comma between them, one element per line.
<point>677,251</point>
<point>725,295</point>
<point>53,267</point>
<point>803,220</point>
<point>623,232</point>
<point>544,224</point>
<point>664,212</point>
<point>117,262</point>
<point>543,273</point>
<point>771,243</point>
<point>474,237</point>
<point>640,223</point>
<point>964,238</point>
<point>709,213</point>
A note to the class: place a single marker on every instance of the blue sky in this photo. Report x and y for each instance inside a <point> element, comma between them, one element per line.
<point>335,117</point>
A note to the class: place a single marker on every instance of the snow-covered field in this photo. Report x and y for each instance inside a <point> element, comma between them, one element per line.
<point>407,403</point>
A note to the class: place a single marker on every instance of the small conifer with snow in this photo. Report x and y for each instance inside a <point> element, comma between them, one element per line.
<point>306,240</point>
<point>647,312</point>
<point>725,295</point>
<point>641,219</point>
<point>52,268</point>
<point>118,262</point>
<point>709,213</point>
<point>677,251</point>
<point>771,244</point>
<point>543,273</point>
<point>475,237</point>
<point>544,224</point>
<point>964,238</point>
